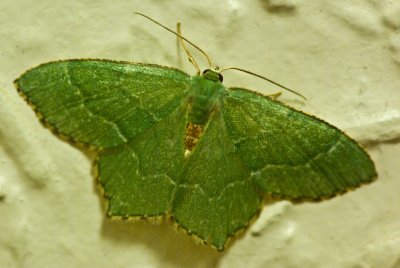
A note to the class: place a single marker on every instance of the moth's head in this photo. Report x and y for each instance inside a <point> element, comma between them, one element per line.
<point>212,75</point>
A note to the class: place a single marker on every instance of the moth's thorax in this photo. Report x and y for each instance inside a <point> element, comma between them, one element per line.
<point>204,98</point>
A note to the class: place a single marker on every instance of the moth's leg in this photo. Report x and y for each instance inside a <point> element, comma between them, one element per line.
<point>181,41</point>
<point>274,95</point>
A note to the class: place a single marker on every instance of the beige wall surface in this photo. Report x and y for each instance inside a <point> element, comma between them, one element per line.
<point>344,56</point>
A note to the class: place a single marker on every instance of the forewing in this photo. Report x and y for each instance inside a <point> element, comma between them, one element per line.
<point>291,154</point>
<point>215,196</point>
<point>100,102</point>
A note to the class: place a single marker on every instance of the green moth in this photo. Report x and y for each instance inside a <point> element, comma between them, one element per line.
<point>186,147</point>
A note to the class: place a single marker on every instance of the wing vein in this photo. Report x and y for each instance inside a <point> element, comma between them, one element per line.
<point>105,120</point>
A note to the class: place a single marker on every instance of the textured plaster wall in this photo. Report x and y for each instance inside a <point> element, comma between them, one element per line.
<point>343,55</point>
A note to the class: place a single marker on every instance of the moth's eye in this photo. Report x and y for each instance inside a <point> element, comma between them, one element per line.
<point>220,77</point>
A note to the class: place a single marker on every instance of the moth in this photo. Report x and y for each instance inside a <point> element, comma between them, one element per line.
<point>188,148</point>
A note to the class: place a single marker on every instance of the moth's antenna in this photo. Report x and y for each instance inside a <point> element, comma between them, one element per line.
<point>262,77</point>
<point>179,35</point>
<point>190,57</point>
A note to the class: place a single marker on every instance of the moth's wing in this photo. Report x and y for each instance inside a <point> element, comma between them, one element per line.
<point>102,103</point>
<point>139,177</point>
<point>215,195</point>
<point>136,114</point>
<point>292,154</point>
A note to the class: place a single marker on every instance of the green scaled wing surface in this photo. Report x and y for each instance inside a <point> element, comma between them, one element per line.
<point>138,116</point>
<point>291,154</point>
<point>133,113</point>
<point>102,103</point>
